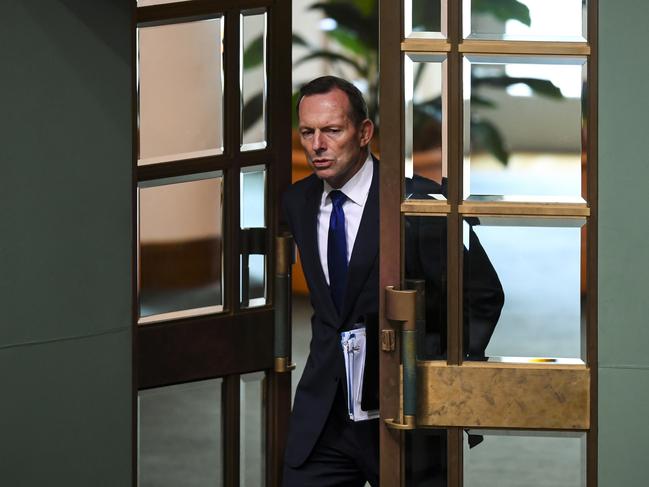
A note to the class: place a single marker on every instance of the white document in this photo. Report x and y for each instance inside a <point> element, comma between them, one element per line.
<point>354,349</point>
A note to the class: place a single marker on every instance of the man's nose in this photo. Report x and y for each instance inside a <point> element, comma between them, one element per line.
<point>318,141</point>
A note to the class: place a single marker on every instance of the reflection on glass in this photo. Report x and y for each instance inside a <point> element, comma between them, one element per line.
<point>253,81</point>
<point>532,459</point>
<point>425,160</point>
<point>523,130</point>
<point>527,20</point>
<point>253,236</point>
<point>424,18</point>
<point>426,458</point>
<point>539,264</point>
<point>253,430</point>
<point>425,260</point>
<point>181,242</point>
<point>180,74</point>
<point>180,436</point>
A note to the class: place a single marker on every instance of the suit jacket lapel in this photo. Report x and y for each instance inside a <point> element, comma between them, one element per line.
<point>366,247</point>
<point>311,258</point>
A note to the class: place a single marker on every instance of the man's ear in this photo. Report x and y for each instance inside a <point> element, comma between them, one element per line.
<point>366,132</point>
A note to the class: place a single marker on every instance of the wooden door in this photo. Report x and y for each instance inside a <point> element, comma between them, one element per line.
<point>213,155</point>
<point>488,198</point>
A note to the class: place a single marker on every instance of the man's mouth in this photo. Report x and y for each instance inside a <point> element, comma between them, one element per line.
<point>322,162</point>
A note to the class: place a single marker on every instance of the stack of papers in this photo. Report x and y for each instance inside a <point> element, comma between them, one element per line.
<point>354,350</point>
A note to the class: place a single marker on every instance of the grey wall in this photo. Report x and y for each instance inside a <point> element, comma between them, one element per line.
<point>623,243</point>
<point>65,245</point>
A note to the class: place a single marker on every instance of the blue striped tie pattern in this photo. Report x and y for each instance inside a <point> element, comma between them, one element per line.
<point>337,249</point>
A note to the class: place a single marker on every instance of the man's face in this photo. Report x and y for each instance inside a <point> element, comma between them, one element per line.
<point>333,144</point>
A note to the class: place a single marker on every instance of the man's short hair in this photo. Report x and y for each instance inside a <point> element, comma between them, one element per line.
<point>325,84</point>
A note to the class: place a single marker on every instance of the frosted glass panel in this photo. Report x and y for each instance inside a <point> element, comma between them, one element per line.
<point>543,20</point>
<point>525,458</point>
<point>180,435</point>
<point>253,236</point>
<point>253,430</point>
<point>181,246</point>
<point>524,128</point>
<point>425,150</point>
<point>253,81</point>
<point>180,75</point>
<point>539,264</point>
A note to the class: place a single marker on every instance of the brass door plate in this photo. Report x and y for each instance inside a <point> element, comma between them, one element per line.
<point>494,395</point>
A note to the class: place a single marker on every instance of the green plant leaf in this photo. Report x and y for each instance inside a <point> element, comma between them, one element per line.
<point>251,110</point>
<point>294,120</point>
<point>254,53</point>
<point>481,101</point>
<point>298,40</point>
<point>367,7</point>
<point>348,40</point>
<point>503,10</point>
<point>348,16</point>
<point>333,57</point>
<point>540,86</point>
<point>485,135</point>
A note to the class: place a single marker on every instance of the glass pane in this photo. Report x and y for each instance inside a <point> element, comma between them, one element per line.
<point>537,264</point>
<point>180,437</point>
<point>424,18</point>
<point>253,237</point>
<point>180,90</point>
<point>253,81</point>
<point>426,458</point>
<point>523,131</point>
<point>425,152</point>
<point>532,459</point>
<point>253,430</point>
<point>181,246</point>
<point>529,20</point>
<point>425,260</point>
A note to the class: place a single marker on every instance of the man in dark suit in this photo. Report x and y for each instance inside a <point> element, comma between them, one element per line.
<point>334,217</point>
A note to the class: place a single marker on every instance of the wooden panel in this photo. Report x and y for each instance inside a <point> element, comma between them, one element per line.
<point>503,396</point>
<point>181,11</point>
<point>525,47</point>
<point>425,45</point>
<point>417,207</point>
<point>524,209</point>
<point>205,347</point>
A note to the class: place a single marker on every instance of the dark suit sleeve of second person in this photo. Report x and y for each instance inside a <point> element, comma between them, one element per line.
<point>483,298</point>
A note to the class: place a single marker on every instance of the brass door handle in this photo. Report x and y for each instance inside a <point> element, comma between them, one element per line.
<point>400,306</point>
<point>284,260</point>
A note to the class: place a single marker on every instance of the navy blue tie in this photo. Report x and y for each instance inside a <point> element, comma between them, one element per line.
<point>337,249</point>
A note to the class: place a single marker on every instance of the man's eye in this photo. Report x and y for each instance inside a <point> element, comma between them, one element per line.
<point>306,133</point>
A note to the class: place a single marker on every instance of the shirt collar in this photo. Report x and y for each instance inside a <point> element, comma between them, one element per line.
<point>358,187</point>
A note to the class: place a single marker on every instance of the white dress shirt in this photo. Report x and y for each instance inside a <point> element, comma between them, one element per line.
<point>356,190</point>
